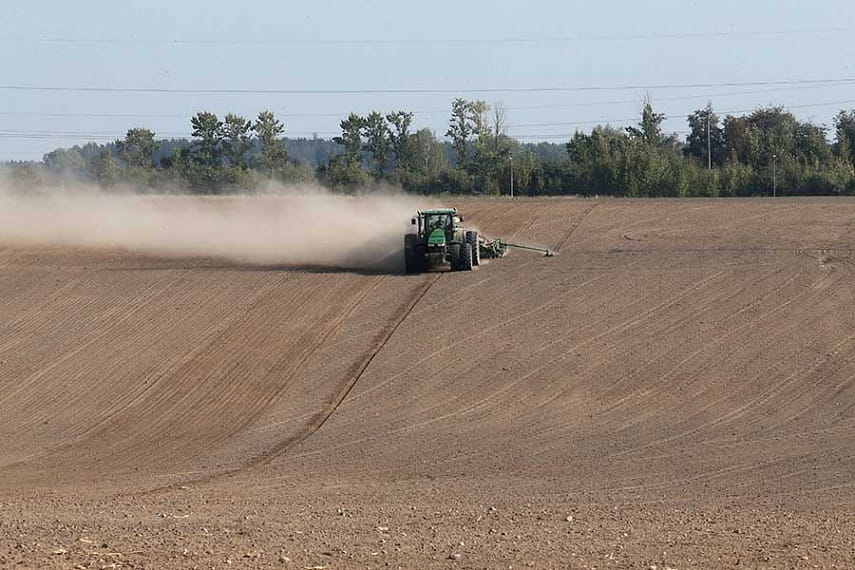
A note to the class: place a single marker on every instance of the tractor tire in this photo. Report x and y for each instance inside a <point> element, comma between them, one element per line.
<point>472,239</point>
<point>411,261</point>
<point>455,256</point>
<point>421,259</point>
<point>466,259</point>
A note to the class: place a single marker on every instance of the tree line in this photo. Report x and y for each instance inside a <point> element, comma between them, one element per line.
<point>766,151</point>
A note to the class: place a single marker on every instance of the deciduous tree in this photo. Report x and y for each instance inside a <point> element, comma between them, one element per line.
<point>844,130</point>
<point>64,159</point>
<point>376,141</point>
<point>209,130</point>
<point>649,130</point>
<point>351,137</point>
<point>399,137</point>
<point>138,148</point>
<point>103,168</point>
<point>705,141</point>
<point>238,138</point>
<point>269,130</point>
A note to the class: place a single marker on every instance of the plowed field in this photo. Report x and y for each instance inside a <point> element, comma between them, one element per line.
<point>675,389</point>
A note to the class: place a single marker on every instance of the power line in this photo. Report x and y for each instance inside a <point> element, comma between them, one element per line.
<point>417,91</point>
<point>109,136</point>
<point>670,98</point>
<point>417,112</point>
<point>430,41</point>
<point>92,136</point>
<point>565,136</point>
<point>733,112</point>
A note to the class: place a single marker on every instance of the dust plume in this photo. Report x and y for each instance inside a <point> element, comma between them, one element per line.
<point>299,227</point>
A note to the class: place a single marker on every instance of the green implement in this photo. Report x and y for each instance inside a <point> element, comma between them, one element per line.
<point>493,248</point>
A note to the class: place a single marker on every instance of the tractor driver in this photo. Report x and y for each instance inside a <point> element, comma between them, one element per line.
<point>439,222</point>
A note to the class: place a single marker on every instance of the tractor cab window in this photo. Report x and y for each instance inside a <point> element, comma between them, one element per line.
<point>441,221</point>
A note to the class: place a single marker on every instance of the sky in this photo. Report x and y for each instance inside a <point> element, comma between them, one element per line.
<point>75,72</point>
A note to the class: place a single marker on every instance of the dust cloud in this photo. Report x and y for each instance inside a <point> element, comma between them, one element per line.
<point>293,226</point>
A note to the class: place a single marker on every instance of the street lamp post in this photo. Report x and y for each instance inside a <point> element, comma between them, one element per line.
<point>774,175</point>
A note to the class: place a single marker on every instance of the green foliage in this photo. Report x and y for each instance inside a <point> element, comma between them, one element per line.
<point>208,130</point>
<point>705,142</point>
<point>844,127</point>
<point>138,148</point>
<point>25,177</point>
<point>351,138</point>
<point>649,130</point>
<point>453,181</point>
<point>399,138</point>
<point>736,179</point>
<point>274,157</point>
<point>524,164</point>
<point>66,161</point>
<point>295,173</point>
<point>428,154</point>
<point>467,125</point>
<point>460,130</point>
<point>311,152</point>
<point>104,170</point>
<point>491,164</point>
<point>376,136</point>
<point>344,175</point>
<point>751,154</point>
<point>237,139</point>
<point>598,162</point>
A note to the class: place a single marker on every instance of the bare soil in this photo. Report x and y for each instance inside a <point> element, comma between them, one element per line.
<point>676,389</point>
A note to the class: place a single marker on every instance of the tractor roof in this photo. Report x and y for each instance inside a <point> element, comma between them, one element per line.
<point>439,211</point>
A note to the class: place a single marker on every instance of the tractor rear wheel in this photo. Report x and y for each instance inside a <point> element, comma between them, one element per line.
<point>455,256</point>
<point>411,261</point>
<point>466,257</point>
<point>472,239</point>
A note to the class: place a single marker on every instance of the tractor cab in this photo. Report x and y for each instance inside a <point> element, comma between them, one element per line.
<point>438,227</point>
<point>439,221</point>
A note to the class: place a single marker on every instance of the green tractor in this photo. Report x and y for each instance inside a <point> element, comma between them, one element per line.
<point>440,238</point>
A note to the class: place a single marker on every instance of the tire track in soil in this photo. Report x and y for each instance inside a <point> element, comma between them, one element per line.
<point>485,331</point>
<point>635,374</point>
<point>41,377</point>
<point>623,401</point>
<point>305,347</point>
<point>596,355</point>
<point>318,419</point>
<point>733,414</point>
<point>133,399</point>
<point>563,241</point>
<point>623,327</point>
<point>474,407</point>
<point>604,350</point>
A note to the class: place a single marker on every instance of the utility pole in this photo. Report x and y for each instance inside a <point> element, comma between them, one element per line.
<point>512,175</point>
<point>709,143</point>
